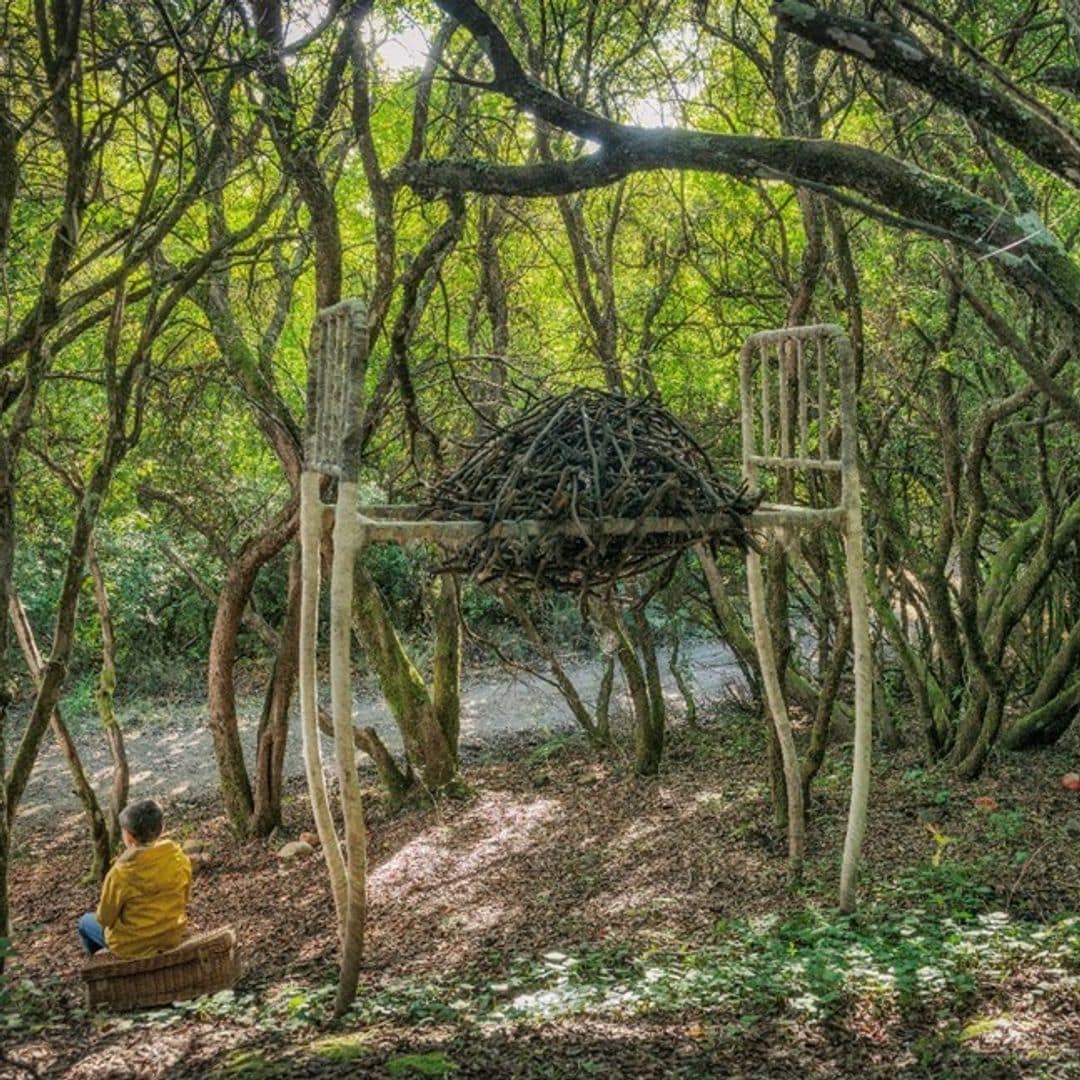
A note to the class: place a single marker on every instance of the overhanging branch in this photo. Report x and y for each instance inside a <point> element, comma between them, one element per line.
<point>1019,244</point>
<point>1029,256</point>
<point>898,53</point>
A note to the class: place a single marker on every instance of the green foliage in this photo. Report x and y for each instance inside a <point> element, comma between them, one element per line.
<point>250,1065</point>
<point>480,608</point>
<point>401,574</point>
<point>435,1063</point>
<point>302,1006</point>
<point>78,703</point>
<point>554,746</point>
<point>161,622</point>
<point>29,1007</point>
<point>340,1047</point>
<point>1005,824</point>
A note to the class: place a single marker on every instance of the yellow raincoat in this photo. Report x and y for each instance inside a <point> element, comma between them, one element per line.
<point>143,906</point>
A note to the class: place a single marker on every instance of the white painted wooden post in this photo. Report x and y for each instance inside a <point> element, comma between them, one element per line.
<point>851,500</point>
<point>755,580</point>
<point>848,516</point>
<point>335,407</point>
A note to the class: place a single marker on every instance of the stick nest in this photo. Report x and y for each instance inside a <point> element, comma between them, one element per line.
<point>576,460</point>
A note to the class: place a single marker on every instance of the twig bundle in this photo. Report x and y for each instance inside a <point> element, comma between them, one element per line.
<point>576,461</point>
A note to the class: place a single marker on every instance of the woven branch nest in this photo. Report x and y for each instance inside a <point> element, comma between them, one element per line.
<point>576,460</point>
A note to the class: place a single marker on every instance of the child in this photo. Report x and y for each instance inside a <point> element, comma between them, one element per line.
<point>143,907</point>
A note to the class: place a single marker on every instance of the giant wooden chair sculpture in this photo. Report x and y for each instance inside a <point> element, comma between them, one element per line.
<point>797,391</point>
<point>796,386</point>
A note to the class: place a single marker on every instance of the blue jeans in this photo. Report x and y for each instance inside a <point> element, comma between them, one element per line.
<point>91,934</point>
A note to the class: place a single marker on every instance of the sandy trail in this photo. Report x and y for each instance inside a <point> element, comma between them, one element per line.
<point>171,756</point>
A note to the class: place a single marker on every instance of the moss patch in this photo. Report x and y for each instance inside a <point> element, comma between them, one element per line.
<point>339,1047</point>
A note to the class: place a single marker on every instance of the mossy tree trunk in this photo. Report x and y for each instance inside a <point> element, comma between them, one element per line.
<point>681,675</point>
<point>645,646</point>
<point>446,662</point>
<point>104,696</point>
<point>1045,723</point>
<point>642,680</point>
<point>427,745</point>
<point>273,728</point>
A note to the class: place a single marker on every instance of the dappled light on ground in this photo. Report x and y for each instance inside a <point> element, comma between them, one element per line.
<point>448,871</point>
<point>569,917</point>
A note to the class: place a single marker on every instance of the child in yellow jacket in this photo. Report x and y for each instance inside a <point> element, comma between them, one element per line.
<point>143,906</point>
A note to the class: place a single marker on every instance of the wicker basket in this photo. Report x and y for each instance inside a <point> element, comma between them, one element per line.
<point>200,965</point>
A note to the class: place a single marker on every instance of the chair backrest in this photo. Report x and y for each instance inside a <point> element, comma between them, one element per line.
<point>335,387</point>
<point>798,408</point>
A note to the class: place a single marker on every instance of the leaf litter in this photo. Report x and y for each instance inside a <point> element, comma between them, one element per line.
<point>570,919</point>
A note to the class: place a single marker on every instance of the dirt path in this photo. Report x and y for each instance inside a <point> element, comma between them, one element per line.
<point>171,755</point>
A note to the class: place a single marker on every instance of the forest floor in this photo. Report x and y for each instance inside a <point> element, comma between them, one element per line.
<point>567,919</point>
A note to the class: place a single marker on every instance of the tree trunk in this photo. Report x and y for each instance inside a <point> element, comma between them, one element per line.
<point>597,734</point>
<point>973,763</point>
<point>682,681</point>
<point>648,740</point>
<point>446,662</point>
<point>5,847</point>
<point>1045,724</point>
<point>646,648</point>
<point>426,745</point>
<point>490,391</point>
<point>830,686</point>
<point>221,690</point>
<point>7,682</point>
<point>398,782</point>
<point>99,833</point>
<point>274,722</point>
<point>103,696</point>
<point>603,703</point>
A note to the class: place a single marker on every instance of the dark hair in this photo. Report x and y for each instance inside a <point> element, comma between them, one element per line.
<point>143,819</point>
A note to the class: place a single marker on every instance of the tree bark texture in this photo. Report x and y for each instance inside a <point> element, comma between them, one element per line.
<point>84,790</point>
<point>426,744</point>
<point>103,697</point>
<point>221,690</point>
<point>273,729</point>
